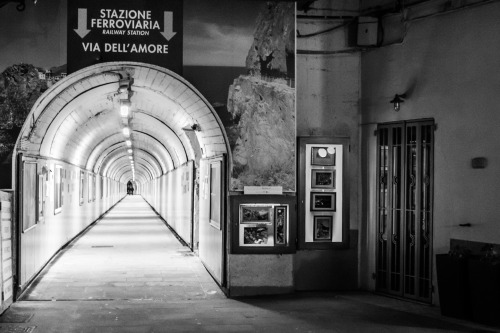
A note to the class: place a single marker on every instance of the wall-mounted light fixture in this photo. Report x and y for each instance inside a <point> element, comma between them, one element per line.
<point>194,127</point>
<point>124,85</point>
<point>124,107</point>
<point>397,100</point>
<point>126,131</point>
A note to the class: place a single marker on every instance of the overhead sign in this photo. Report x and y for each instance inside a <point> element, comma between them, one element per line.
<point>147,31</point>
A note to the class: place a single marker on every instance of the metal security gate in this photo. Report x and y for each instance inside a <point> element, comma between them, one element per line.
<point>404,207</point>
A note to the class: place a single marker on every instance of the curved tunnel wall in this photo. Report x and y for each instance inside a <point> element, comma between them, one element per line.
<point>77,125</point>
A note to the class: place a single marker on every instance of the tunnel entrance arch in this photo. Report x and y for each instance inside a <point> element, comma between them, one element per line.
<point>97,129</point>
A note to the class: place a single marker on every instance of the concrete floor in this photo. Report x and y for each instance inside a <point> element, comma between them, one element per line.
<point>128,273</point>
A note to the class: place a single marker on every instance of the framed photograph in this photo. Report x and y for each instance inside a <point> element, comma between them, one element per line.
<point>280,225</point>
<point>323,156</point>
<point>323,228</point>
<point>256,213</point>
<point>323,179</point>
<point>216,206</point>
<point>255,235</point>
<point>323,201</point>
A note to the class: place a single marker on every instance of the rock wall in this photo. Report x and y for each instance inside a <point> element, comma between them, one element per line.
<point>273,50</point>
<point>263,133</point>
<point>262,105</point>
<point>20,87</point>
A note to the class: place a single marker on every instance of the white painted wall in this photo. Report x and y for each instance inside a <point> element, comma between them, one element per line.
<point>41,242</point>
<point>171,196</point>
<point>450,65</point>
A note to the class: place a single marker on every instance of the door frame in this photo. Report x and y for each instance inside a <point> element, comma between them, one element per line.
<point>401,293</point>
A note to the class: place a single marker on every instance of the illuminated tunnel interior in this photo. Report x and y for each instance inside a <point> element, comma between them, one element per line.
<point>95,131</point>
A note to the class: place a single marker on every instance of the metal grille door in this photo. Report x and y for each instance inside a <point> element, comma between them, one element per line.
<point>404,204</point>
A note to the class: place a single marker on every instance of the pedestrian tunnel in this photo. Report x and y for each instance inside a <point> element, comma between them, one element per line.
<point>101,128</point>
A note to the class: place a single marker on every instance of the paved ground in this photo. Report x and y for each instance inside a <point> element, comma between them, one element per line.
<point>130,274</point>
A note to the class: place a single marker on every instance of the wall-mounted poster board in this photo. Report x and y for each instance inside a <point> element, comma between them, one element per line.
<point>323,193</point>
<point>147,31</point>
<point>263,224</point>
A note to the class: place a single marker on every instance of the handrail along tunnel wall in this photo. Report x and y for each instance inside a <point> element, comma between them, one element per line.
<point>78,149</point>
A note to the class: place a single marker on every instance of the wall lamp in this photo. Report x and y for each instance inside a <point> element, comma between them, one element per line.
<point>124,85</point>
<point>124,107</point>
<point>397,100</point>
<point>194,127</point>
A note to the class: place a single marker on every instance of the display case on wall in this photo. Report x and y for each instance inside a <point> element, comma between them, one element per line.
<point>323,193</point>
<point>263,224</point>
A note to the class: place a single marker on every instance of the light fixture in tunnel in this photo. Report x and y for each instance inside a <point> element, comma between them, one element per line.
<point>124,107</point>
<point>130,151</point>
<point>130,157</point>
<point>126,131</point>
<point>129,143</point>
<point>192,128</point>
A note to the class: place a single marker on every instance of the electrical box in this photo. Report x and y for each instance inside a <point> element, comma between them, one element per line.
<point>367,31</point>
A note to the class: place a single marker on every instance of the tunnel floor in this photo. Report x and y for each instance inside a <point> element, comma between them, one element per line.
<point>129,254</point>
<point>128,273</point>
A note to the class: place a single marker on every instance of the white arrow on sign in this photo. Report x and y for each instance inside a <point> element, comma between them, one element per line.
<point>82,30</point>
<point>168,21</point>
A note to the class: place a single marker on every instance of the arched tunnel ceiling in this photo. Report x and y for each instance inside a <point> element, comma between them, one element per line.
<point>78,121</point>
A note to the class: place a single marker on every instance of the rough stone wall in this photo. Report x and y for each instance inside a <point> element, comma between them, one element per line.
<point>262,105</point>
<point>19,89</point>
<point>263,134</point>
<point>274,41</point>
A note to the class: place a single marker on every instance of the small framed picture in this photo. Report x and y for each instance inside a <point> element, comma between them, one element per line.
<point>323,201</point>
<point>280,225</point>
<point>323,156</point>
<point>323,228</point>
<point>255,235</point>
<point>256,213</point>
<point>323,179</point>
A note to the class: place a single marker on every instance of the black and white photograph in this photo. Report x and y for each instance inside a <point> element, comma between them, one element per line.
<point>323,156</point>
<point>323,201</point>
<point>322,228</point>
<point>280,224</point>
<point>249,165</point>
<point>323,179</point>
<point>256,214</point>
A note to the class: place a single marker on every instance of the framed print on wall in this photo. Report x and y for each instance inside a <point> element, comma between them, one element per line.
<point>256,213</point>
<point>323,179</point>
<point>216,192</point>
<point>255,235</point>
<point>323,201</point>
<point>323,156</point>
<point>280,223</point>
<point>323,191</point>
<point>322,228</point>
<point>263,224</point>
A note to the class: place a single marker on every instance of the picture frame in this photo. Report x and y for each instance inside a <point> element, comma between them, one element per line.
<point>280,225</point>
<point>323,156</point>
<point>324,179</point>
<point>256,213</point>
<point>322,228</point>
<point>215,189</point>
<point>255,235</point>
<point>323,201</point>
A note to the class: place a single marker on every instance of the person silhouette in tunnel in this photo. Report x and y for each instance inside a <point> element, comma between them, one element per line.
<point>130,188</point>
